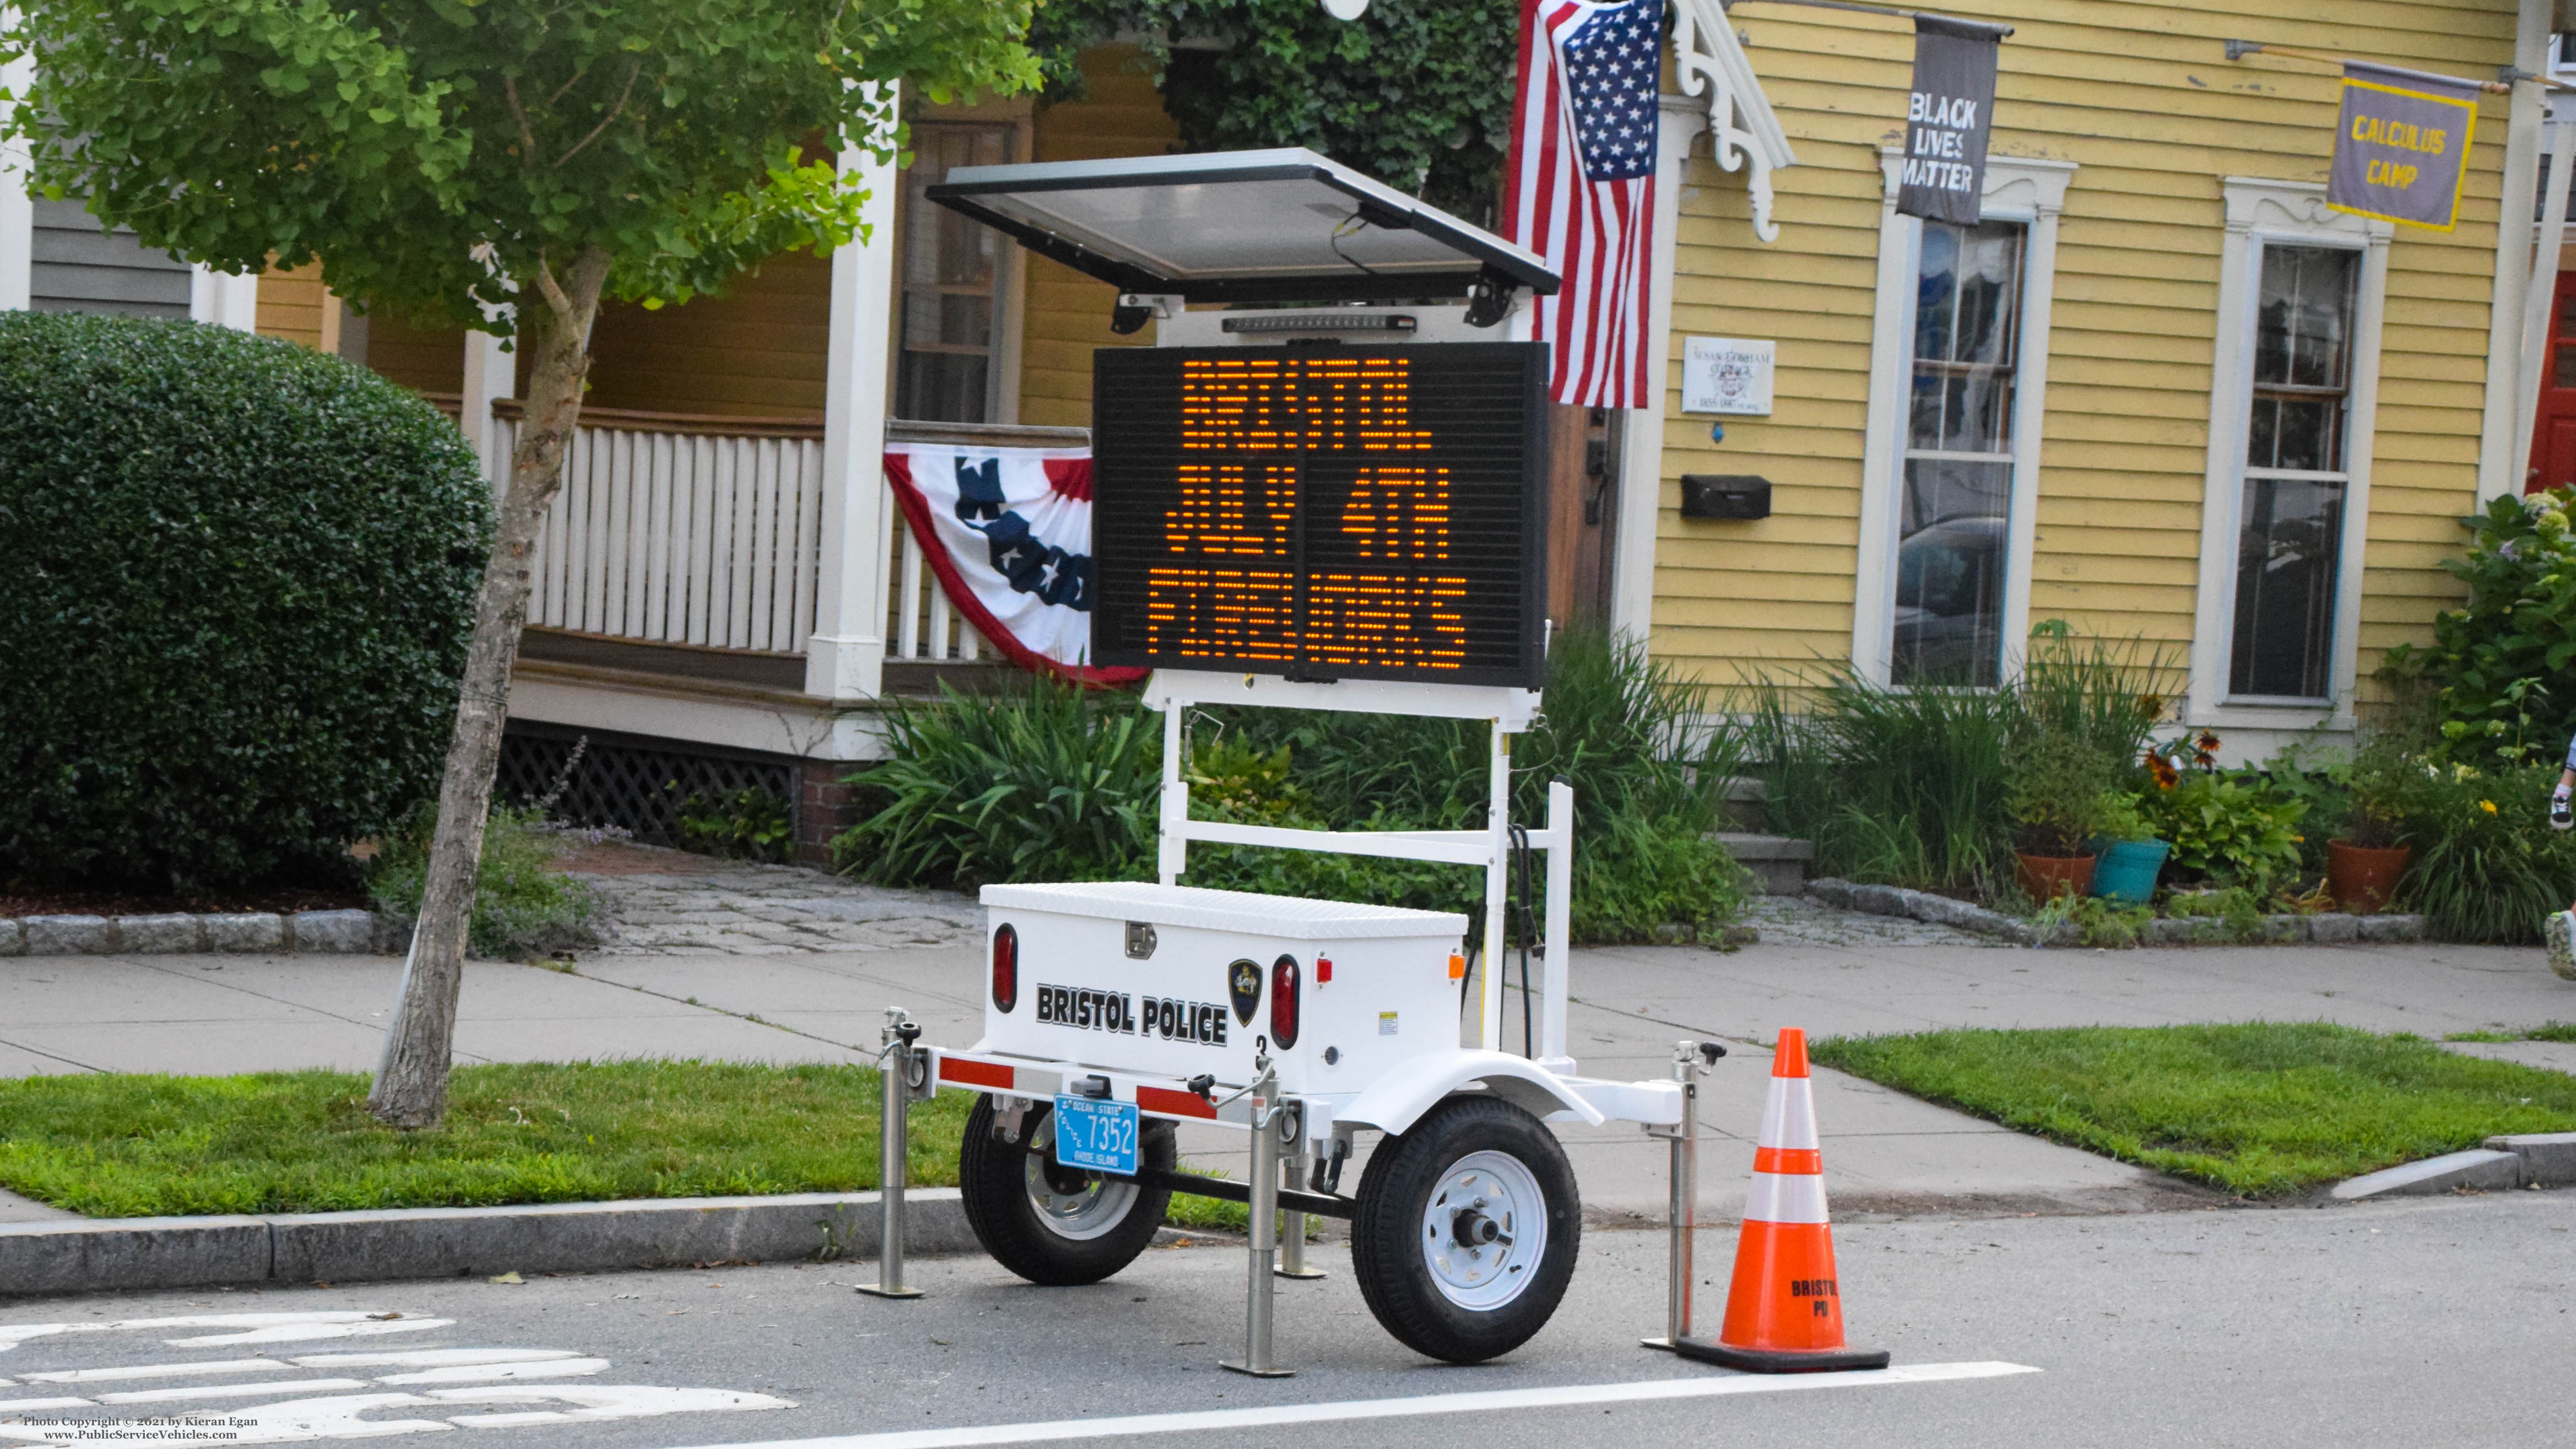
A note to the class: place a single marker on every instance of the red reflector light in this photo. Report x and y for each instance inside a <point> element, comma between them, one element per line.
<point>1323,969</point>
<point>1006,968</point>
<point>1284,979</point>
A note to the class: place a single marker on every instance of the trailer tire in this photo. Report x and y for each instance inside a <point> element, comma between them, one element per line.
<point>1415,1248</point>
<point>1055,1227</point>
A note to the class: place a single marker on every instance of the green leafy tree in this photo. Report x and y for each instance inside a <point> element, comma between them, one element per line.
<point>1417,93</point>
<point>503,166</point>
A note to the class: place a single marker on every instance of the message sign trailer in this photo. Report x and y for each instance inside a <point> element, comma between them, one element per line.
<point>1116,1011</point>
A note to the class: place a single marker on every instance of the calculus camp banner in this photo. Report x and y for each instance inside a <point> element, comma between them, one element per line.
<point>1008,532</point>
<point>2401,145</point>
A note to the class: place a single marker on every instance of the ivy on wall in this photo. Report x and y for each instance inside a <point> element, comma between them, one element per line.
<point>1417,93</point>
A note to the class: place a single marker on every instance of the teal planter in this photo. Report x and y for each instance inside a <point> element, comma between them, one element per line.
<point>2126,870</point>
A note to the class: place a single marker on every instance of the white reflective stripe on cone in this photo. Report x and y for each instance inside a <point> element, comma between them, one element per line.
<point>1789,1115</point>
<point>1779,1197</point>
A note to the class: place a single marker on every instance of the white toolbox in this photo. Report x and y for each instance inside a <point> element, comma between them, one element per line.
<point>1138,977</point>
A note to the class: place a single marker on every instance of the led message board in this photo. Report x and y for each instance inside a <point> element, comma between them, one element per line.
<point>1322,513</point>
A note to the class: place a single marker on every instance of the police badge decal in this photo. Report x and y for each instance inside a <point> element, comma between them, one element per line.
<point>1243,987</point>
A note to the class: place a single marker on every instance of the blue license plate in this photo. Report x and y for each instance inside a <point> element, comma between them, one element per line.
<point>1096,1135</point>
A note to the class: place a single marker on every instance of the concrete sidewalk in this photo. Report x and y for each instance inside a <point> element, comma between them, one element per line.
<point>1885,1152</point>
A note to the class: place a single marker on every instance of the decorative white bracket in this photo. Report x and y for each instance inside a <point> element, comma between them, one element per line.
<point>1708,60</point>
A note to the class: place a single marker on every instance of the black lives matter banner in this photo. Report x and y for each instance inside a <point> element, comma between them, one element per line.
<point>1947,119</point>
<point>2401,145</point>
<point>1322,513</point>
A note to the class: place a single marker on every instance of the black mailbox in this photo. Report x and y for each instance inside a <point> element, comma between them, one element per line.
<point>1725,495</point>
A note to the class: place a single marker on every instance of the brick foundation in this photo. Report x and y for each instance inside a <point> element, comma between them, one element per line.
<point>824,808</point>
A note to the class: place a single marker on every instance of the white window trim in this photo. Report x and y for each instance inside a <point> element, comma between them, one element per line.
<point>2294,213</point>
<point>2030,190</point>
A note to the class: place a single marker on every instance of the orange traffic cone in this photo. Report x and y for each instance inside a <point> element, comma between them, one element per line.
<point>1784,1311</point>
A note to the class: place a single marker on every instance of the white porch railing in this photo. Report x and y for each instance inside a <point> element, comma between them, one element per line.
<point>706,531</point>
<point>920,626</point>
<point>681,530</point>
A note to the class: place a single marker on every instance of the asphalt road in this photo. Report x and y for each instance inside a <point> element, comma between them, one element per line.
<point>2435,1321</point>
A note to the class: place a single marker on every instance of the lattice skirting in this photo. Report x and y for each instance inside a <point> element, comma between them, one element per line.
<point>634,781</point>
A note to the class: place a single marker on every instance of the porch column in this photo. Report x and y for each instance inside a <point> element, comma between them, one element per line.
<point>17,210</point>
<point>1641,437</point>
<point>223,299</point>
<point>845,655</point>
<point>2498,449</point>
<point>490,374</point>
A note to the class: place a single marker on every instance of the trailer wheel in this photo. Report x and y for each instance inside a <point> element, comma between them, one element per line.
<point>1051,1224</point>
<point>1466,1229</point>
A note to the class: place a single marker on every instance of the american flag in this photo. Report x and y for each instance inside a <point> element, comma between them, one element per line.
<point>1581,187</point>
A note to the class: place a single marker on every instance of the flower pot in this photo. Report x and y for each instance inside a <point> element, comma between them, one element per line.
<point>2044,877</point>
<point>2127,869</point>
<point>2363,880</point>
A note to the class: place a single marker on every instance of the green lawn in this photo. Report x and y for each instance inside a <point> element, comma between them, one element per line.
<point>2261,1109</point>
<point>125,1146</point>
<point>295,1142</point>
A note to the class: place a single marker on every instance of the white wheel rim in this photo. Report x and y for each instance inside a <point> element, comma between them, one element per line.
<point>1481,1193</point>
<point>1099,1205</point>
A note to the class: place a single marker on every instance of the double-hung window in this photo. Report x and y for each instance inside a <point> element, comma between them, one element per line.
<point>1954,527</point>
<point>2290,525</point>
<point>953,273</point>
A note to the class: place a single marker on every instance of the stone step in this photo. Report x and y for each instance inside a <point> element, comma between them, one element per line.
<point>1744,803</point>
<point>1778,862</point>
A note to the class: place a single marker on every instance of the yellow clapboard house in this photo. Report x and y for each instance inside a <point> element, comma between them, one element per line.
<point>2160,393</point>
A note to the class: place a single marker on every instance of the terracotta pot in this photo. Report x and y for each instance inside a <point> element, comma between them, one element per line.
<point>2363,880</point>
<point>2046,876</point>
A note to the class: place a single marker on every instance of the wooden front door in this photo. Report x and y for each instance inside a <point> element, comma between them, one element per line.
<point>2553,431</point>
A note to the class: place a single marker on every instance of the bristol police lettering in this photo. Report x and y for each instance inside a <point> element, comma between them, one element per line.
<point>1090,1010</point>
<point>1115,1011</point>
<point>1812,1288</point>
<point>1199,1021</point>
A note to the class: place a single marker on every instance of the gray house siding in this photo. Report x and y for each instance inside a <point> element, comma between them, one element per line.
<point>78,266</point>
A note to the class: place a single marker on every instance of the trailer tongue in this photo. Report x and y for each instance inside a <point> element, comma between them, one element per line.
<point>1320,508</point>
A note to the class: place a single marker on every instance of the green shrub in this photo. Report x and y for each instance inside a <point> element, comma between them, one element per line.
<point>1911,786</point>
<point>1048,783</point>
<point>746,824</point>
<point>2232,828</point>
<point>521,909</point>
<point>1617,728</point>
<point>239,583</point>
<point>2389,793</point>
<point>2502,668</point>
<point>2056,792</point>
<point>1901,786</point>
<point>1054,783</point>
<point>2487,867</point>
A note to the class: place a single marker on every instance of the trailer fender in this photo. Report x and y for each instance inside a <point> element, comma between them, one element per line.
<point>1398,1099</point>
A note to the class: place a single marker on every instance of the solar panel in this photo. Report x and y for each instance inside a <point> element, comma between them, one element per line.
<point>1240,226</point>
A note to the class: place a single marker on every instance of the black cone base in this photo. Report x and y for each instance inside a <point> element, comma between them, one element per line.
<point>1780,1361</point>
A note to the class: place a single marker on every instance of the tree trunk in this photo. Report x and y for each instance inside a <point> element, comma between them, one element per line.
<point>411,1081</point>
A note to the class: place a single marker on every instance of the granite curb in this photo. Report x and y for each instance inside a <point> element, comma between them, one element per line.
<point>2325,928</point>
<point>2532,1159</point>
<point>344,933</point>
<point>140,1254</point>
